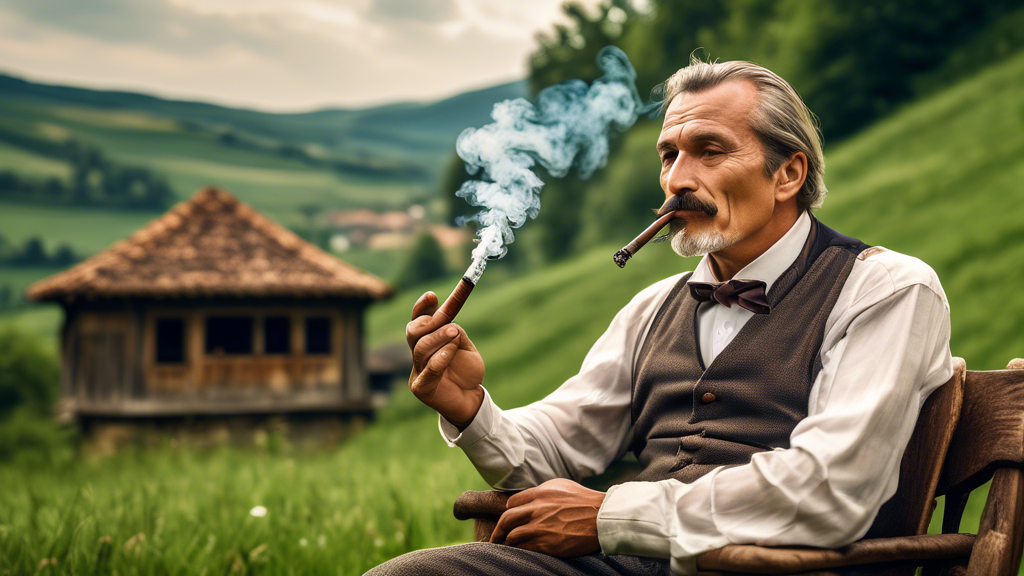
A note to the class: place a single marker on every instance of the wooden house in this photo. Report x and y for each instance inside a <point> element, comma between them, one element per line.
<point>212,311</point>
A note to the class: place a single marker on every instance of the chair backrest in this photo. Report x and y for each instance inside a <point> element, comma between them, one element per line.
<point>989,445</point>
<point>907,513</point>
<point>990,434</point>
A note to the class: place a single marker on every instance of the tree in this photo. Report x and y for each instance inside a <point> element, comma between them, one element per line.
<point>8,181</point>
<point>32,253</point>
<point>28,376</point>
<point>424,262</point>
<point>64,256</point>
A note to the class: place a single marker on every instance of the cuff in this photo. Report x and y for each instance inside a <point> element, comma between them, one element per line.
<point>478,428</point>
<point>633,520</point>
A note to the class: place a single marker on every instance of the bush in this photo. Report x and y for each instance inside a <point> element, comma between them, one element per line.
<point>28,390</point>
<point>425,262</point>
<point>28,376</point>
<point>30,439</point>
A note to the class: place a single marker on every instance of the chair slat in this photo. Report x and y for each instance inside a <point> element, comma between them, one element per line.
<point>990,432</point>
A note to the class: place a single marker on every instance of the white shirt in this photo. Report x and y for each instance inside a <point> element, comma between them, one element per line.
<point>886,348</point>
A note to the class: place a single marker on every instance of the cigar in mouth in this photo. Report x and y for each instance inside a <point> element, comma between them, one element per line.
<point>629,250</point>
<point>447,312</point>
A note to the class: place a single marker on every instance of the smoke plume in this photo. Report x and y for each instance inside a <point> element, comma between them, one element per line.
<point>568,125</point>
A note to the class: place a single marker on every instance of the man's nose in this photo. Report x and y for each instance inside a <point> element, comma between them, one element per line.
<point>681,178</point>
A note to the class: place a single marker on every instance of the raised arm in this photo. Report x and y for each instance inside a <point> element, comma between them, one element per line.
<point>578,429</point>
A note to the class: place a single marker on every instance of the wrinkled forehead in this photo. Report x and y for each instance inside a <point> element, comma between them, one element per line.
<point>728,107</point>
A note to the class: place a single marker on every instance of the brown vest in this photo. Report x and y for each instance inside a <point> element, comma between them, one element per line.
<point>688,418</point>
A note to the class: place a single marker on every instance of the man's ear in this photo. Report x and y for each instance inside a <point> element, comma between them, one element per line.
<point>790,176</point>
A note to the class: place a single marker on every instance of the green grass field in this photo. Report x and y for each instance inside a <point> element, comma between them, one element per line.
<point>941,180</point>
<point>86,230</point>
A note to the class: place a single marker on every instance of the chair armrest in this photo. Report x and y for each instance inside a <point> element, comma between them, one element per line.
<point>762,560</point>
<point>481,504</point>
<point>484,507</point>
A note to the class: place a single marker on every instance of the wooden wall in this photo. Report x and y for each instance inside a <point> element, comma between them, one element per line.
<point>109,356</point>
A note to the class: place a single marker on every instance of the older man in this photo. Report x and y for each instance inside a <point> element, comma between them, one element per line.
<point>768,395</point>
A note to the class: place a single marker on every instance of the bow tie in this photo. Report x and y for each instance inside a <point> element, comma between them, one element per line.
<point>748,294</point>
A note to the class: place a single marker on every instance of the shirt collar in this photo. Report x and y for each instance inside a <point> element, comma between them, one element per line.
<point>769,265</point>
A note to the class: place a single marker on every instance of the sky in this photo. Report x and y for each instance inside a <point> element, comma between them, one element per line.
<point>278,55</point>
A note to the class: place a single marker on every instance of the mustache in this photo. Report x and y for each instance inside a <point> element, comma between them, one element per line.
<point>687,202</point>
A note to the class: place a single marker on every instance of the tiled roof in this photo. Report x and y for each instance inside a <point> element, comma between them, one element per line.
<point>211,245</point>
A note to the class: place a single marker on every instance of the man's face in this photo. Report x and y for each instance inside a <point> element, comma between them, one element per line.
<point>709,151</point>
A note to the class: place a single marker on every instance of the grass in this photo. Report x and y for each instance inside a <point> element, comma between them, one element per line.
<point>30,165</point>
<point>941,180</point>
<point>41,321</point>
<point>86,230</point>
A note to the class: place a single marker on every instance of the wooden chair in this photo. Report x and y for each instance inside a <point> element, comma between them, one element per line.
<point>970,431</point>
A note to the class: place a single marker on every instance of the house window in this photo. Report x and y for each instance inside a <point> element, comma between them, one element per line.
<point>277,335</point>
<point>170,340</point>
<point>318,335</point>
<point>229,335</point>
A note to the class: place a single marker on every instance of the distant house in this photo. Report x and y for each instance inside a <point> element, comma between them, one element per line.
<point>210,312</point>
<point>387,230</point>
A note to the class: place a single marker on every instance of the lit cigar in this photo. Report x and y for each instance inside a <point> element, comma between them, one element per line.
<point>446,313</point>
<point>623,255</point>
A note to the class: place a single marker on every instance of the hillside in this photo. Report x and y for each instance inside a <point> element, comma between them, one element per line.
<point>941,179</point>
<point>406,124</point>
<point>382,157</point>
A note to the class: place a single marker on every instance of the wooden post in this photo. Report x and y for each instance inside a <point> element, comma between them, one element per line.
<point>140,344</point>
<point>67,353</point>
<point>194,355</point>
<point>996,550</point>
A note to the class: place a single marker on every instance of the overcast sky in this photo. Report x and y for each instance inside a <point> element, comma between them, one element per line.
<point>281,55</point>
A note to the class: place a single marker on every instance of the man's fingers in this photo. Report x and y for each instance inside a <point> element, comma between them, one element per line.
<point>431,343</point>
<point>419,328</point>
<point>423,321</point>
<point>520,498</point>
<point>426,305</point>
<point>439,362</point>
<point>510,520</point>
<point>520,537</point>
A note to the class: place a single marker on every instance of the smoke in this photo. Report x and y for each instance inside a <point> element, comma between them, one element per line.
<point>568,125</point>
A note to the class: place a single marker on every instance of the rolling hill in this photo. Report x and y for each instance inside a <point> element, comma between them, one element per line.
<point>382,157</point>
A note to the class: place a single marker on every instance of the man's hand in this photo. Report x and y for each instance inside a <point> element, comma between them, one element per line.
<point>447,370</point>
<point>559,518</point>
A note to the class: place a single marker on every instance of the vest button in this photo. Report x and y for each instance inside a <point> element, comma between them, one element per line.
<point>708,397</point>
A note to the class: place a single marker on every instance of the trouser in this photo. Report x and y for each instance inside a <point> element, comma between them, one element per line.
<point>484,559</point>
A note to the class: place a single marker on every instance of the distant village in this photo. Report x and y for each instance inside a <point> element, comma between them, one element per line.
<point>393,230</point>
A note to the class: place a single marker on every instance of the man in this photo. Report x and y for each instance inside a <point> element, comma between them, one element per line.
<point>772,409</point>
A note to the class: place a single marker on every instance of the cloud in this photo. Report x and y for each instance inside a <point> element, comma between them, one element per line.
<point>422,10</point>
<point>275,54</point>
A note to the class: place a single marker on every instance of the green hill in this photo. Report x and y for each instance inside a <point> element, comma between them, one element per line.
<point>382,157</point>
<point>942,179</point>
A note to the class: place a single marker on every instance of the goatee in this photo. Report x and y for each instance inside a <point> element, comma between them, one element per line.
<point>695,243</point>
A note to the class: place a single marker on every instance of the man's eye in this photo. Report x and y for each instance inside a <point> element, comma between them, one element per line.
<point>710,153</point>
<point>668,158</point>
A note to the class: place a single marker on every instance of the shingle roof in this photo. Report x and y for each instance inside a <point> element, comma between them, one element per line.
<point>211,245</point>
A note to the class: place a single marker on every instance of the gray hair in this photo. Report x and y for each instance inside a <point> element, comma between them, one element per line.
<point>782,122</point>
